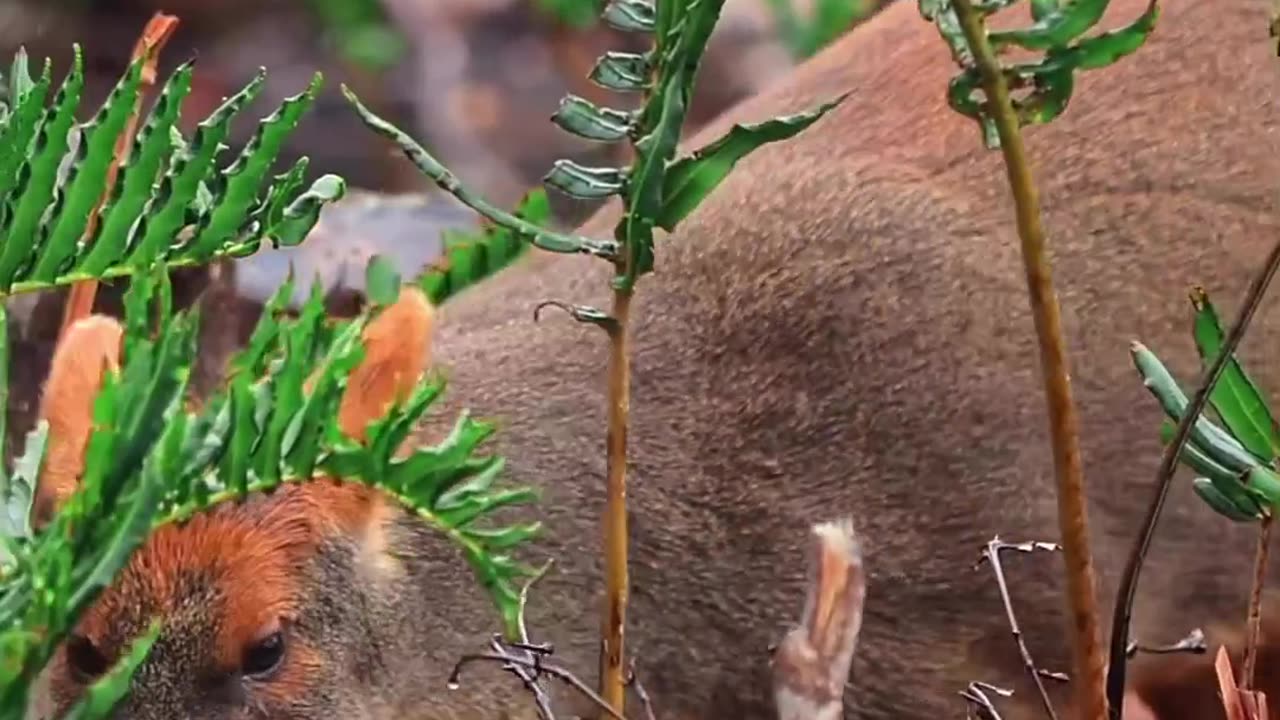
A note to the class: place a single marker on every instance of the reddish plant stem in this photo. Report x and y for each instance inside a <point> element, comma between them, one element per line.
<point>1086,635</point>
<point>154,36</point>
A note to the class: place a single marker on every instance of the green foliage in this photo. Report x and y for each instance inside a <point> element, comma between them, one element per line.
<point>659,189</point>
<point>472,257</point>
<point>106,693</point>
<point>362,32</point>
<point>151,460</point>
<point>382,281</point>
<point>260,431</point>
<point>52,576</point>
<point>171,205</point>
<point>1236,398</point>
<point>579,14</point>
<point>539,236</point>
<point>1056,30</point>
<point>1236,465</point>
<point>830,19</point>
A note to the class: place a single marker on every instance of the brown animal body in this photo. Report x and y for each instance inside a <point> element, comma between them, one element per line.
<point>841,329</point>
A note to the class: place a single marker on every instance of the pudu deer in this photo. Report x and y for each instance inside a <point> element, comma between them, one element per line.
<point>841,329</point>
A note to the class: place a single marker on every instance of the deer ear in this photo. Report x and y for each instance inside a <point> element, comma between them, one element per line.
<point>83,354</point>
<point>396,353</point>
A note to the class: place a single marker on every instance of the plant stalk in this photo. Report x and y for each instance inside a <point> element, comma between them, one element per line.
<point>1164,479</point>
<point>157,32</point>
<point>1063,422</point>
<point>1254,636</point>
<point>613,666</point>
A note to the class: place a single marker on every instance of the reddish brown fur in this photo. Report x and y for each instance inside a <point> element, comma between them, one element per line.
<point>841,328</point>
<point>90,346</point>
<point>251,550</point>
<point>395,356</point>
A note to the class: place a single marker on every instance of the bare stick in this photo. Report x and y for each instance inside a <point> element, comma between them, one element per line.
<point>539,667</point>
<point>1254,636</point>
<point>527,675</point>
<point>991,554</point>
<point>811,664</point>
<point>1064,425</point>
<point>633,681</point>
<point>1193,643</point>
<point>980,702</point>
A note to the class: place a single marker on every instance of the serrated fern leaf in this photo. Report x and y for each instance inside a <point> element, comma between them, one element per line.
<point>19,130</point>
<point>242,179</point>
<point>98,146</point>
<point>35,188</point>
<point>277,422</point>
<point>450,488</point>
<point>469,258</point>
<point>151,462</point>
<point>129,459</point>
<point>174,205</point>
<point>150,149</point>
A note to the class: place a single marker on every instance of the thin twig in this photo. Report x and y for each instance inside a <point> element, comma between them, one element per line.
<point>991,554</point>
<point>148,46</point>
<point>527,675</point>
<point>1254,636</point>
<point>1063,422</point>
<point>978,700</point>
<point>538,666</point>
<point>520,657</point>
<point>633,680</point>
<point>1164,479</point>
<point>1193,644</point>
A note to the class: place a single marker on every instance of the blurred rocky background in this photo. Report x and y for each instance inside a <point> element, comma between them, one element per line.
<point>475,81</point>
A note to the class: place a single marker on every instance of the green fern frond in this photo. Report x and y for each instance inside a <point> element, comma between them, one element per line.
<point>260,431</point>
<point>264,430</point>
<point>173,205</point>
<point>53,575</point>
<point>471,257</point>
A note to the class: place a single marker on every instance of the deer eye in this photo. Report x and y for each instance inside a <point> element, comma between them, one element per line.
<point>85,659</point>
<point>263,656</point>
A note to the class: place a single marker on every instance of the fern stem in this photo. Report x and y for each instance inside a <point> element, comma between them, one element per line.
<point>1063,422</point>
<point>613,676</point>
<point>157,32</point>
<point>1254,635</point>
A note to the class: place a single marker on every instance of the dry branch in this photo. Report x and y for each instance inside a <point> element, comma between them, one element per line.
<point>991,554</point>
<point>811,665</point>
<point>1253,638</point>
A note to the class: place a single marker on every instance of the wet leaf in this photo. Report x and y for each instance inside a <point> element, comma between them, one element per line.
<point>631,15</point>
<point>584,119</point>
<point>585,183</point>
<point>622,72</point>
